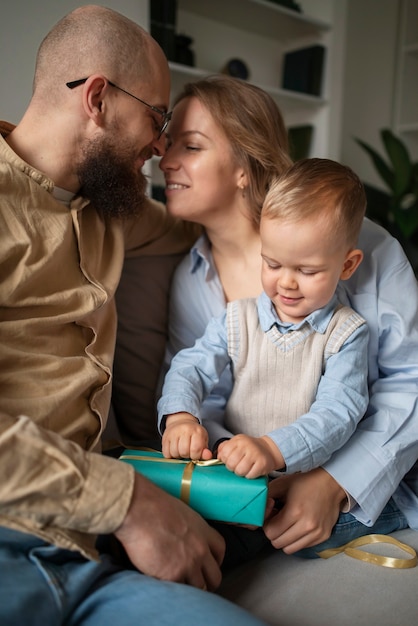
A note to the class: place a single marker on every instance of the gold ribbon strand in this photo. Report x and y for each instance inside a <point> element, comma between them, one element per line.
<point>350,549</point>
<point>190,464</point>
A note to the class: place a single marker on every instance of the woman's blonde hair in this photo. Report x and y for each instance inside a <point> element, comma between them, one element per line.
<point>313,186</point>
<point>254,126</point>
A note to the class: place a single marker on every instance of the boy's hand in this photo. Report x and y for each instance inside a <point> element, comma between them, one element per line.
<point>185,438</point>
<point>250,456</point>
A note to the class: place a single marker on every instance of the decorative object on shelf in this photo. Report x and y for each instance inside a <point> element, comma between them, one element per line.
<point>236,68</point>
<point>184,54</point>
<point>163,15</point>
<point>303,70</point>
<point>289,4</point>
<point>399,213</point>
<point>300,141</point>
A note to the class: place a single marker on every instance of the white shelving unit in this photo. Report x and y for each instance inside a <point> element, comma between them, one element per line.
<point>406,89</point>
<point>259,33</point>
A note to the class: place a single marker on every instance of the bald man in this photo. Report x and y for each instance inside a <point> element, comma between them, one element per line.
<point>72,197</point>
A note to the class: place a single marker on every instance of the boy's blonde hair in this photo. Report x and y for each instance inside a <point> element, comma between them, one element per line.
<point>254,126</point>
<point>314,186</point>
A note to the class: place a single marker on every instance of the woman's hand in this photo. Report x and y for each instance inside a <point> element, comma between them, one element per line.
<point>312,502</point>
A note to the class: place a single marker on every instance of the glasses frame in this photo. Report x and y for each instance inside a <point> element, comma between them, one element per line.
<point>166,115</point>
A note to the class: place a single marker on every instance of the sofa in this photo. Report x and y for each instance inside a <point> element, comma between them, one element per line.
<point>286,590</point>
<point>283,590</point>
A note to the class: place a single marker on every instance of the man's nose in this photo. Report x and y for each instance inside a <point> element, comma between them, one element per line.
<point>158,146</point>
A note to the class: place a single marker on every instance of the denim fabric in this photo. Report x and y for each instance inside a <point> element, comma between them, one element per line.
<point>243,544</point>
<point>348,528</point>
<point>41,585</point>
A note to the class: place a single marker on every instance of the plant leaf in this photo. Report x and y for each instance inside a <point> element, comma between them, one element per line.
<point>401,161</point>
<point>407,220</point>
<point>380,164</point>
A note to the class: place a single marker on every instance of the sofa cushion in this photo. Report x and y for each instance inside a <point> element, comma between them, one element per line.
<point>142,306</point>
<point>286,590</point>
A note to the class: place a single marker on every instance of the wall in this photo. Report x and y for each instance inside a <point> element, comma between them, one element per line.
<point>370,33</point>
<point>371,39</point>
<point>23,25</point>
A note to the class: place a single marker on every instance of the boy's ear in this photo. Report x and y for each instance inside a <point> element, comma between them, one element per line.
<point>351,263</point>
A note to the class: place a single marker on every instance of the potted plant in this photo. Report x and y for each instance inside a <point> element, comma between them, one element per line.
<point>398,211</point>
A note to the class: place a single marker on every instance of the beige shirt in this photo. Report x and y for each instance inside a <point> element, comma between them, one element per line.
<point>59,269</point>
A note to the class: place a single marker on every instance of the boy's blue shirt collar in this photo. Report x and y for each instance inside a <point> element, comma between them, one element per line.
<point>318,319</point>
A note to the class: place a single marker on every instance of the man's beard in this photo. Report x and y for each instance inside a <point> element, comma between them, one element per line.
<point>108,178</point>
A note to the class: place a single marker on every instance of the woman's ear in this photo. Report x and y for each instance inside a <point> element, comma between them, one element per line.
<point>242,179</point>
<point>351,263</point>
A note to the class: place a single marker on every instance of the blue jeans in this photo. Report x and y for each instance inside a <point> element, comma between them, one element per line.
<point>243,544</point>
<point>42,585</point>
<point>348,528</point>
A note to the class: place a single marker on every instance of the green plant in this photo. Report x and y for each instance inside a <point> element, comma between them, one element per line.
<point>400,175</point>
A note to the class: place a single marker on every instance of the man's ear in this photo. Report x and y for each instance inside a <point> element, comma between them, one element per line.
<point>93,97</point>
<point>351,263</point>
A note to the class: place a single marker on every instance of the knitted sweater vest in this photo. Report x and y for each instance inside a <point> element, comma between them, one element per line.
<point>276,375</point>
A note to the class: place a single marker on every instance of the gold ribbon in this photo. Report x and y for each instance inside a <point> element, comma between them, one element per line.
<point>350,549</point>
<point>190,464</point>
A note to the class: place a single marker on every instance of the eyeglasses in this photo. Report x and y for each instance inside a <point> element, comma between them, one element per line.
<point>166,116</point>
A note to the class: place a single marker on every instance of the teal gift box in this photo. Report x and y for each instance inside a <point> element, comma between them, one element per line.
<point>208,487</point>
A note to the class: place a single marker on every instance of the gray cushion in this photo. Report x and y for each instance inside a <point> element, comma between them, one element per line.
<point>341,591</point>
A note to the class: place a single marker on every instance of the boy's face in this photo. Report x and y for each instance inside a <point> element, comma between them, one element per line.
<point>302,264</point>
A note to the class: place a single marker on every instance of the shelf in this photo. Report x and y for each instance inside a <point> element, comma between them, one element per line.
<point>408,128</point>
<point>260,33</point>
<point>405,104</point>
<point>186,73</point>
<point>256,16</point>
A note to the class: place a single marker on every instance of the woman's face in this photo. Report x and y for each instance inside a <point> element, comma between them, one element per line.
<point>202,177</point>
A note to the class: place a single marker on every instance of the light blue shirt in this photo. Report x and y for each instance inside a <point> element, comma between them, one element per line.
<point>383,290</point>
<point>310,440</point>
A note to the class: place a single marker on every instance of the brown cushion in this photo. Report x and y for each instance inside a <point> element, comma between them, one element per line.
<point>142,305</point>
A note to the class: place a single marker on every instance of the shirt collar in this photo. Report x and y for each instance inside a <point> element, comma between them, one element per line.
<point>69,199</point>
<point>62,195</point>
<point>201,254</point>
<point>17,162</point>
<point>318,320</point>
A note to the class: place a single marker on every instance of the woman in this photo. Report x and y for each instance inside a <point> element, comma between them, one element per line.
<point>225,142</point>
<point>219,162</point>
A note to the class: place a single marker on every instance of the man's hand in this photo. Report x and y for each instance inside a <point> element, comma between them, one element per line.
<point>311,505</point>
<point>166,539</point>
<point>250,456</point>
<point>185,438</point>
